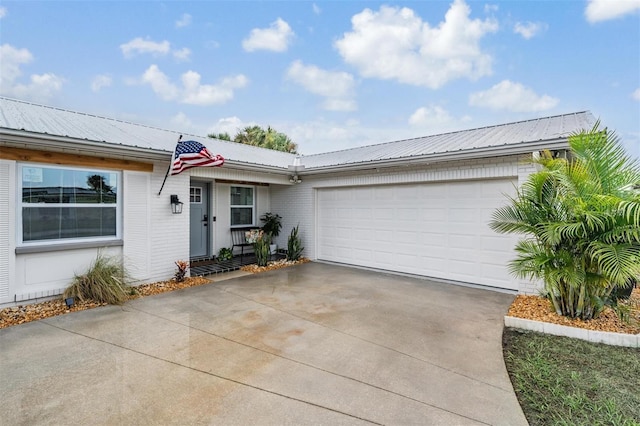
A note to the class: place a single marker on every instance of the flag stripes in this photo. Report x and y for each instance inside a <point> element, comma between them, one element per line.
<point>190,154</point>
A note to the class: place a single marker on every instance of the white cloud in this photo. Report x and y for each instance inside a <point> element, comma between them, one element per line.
<point>432,116</point>
<point>336,86</point>
<point>140,46</point>
<point>3,12</point>
<point>210,94</point>
<point>40,86</point>
<point>529,29</point>
<point>511,96</point>
<point>184,21</point>
<point>100,81</point>
<point>181,121</point>
<point>603,10</point>
<point>211,44</point>
<point>316,9</point>
<point>395,44</point>
<point>182,54</point>
<point>636,95</point>
<point>160,83</point>
<point>276,38</point>
<point>192,91</point>
<point>230,125</point>
<point>332,104</point>
<point>490,8</point>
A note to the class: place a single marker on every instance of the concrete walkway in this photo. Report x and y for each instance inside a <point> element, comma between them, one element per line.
<point>310,344</point>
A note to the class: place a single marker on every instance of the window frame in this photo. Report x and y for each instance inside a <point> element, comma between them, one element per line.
<point>244,206</point>
<point>105,240</point>
<point>195,194</point>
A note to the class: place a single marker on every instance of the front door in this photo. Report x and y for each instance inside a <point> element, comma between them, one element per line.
<point>199,219</point>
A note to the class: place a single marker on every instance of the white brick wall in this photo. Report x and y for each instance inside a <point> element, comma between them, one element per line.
<point>169,238</point>
<point>7,230</point>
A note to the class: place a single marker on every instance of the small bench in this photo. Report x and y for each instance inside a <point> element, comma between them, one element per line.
<point>239,239</point>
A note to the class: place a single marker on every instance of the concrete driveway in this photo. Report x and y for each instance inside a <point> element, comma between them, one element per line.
<point>310,344</point>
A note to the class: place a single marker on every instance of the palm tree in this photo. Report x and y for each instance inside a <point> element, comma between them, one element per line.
<point>269,138</point>
<point>581,221</point>
<point>222,136</point>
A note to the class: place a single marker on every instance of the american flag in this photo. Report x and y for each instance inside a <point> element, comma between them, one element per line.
<point>193,154</point>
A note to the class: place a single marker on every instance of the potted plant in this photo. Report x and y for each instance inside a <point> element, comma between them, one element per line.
<point>272,224</point>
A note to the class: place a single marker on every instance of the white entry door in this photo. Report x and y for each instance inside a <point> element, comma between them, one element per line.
<point>432,229</point>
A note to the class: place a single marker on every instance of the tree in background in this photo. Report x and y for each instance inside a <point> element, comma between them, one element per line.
<point>222,136</point>
<point>581,221</point>
<point>257,136</point>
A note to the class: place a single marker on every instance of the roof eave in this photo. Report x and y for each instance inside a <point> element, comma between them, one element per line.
<point>32,140</point>
<point>470,154</point>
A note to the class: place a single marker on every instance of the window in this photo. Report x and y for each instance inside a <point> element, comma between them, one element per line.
<point>242,205</point>
<point>65,204</point>
<point>195,195</point>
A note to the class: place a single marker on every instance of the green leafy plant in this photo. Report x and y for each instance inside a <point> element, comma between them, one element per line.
<point>182,265</point>
<point>294,245</point>
<point>261,249</point>
<point>225,254</point>
<point>106,281</point>
<point>581,221</point>
<point>272,224</point>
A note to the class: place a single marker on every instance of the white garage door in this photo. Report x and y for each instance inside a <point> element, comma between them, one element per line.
<point>434,229</point>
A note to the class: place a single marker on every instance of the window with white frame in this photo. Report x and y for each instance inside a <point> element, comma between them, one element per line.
<point>195,195</point>
<point>242,205</point>
<point>62,204</point>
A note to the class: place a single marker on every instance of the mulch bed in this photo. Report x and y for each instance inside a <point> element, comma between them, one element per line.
<point>540,309</point>
<point>37,311</point>
<point>254,269</point>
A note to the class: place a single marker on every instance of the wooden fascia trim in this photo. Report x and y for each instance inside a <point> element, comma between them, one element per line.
<point>60,158</point>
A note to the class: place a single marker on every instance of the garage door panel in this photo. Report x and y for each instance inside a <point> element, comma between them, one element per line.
<point>432,229</point>
<point>383,213</point>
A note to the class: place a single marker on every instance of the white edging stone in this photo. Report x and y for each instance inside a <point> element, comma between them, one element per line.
<point>608,338</point>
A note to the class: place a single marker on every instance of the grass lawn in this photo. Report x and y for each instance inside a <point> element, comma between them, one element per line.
<point>564,381</point>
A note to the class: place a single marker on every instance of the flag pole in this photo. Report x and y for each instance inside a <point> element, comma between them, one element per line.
<point>170,164</point>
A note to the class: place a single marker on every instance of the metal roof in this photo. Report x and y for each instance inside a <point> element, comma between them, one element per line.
<point>522,133</point>
<point>44,120</point>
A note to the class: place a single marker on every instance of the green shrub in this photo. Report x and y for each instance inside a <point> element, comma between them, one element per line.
<point>294,245</point>
<point>262,251</point>
<point>106,281</point>
<point>579,218</point>
<point>225,254</point>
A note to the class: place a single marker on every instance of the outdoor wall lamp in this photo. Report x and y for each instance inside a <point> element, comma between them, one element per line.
<point>295,179</point>
<point>176,205</point>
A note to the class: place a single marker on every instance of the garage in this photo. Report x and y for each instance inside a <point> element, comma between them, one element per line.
<point>437,229</point>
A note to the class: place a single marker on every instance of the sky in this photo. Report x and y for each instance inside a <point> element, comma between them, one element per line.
<point>330,74</point>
